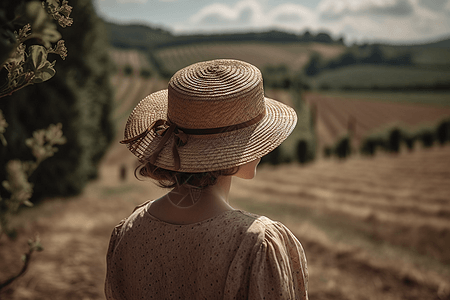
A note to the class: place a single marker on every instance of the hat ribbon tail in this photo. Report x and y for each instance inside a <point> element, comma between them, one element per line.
<point>162,129</point>
<point>179,139</point>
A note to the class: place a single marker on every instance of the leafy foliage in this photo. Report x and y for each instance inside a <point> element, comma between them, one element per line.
<point>42,146</point>
<point>443,131</point>
<point>147,38</point>
<point>391,138</point>
<point>26,65</point>
<point>79,97</point>
<point>301,144</point>
<point>276,76</point>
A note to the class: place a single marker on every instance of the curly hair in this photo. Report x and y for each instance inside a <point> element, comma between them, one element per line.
<point>170,179</point>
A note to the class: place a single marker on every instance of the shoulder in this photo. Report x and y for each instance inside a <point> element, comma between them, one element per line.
<point>127,222</point>
<point>266,232</point>
<point>266,225</point>
<point>272,259</point>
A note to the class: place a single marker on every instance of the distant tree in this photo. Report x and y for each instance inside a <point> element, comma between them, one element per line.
<point>347,59</point>
<point>313,66</point>
<point>443,132</point>
<point>409,140</point>
<point>368,146</point>
<point>302,151</point>
<point>404,59</point>
<point>343,148</point>
<point>307,36</point>
<point>276,76</point>
<point>128,70</point>
<point>426,135</point>
<point>376,56</point>
<point>323,38</point>
<point>395,137</point>
<point>273,158</point>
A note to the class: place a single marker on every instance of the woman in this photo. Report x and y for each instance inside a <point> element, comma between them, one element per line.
<point>212,123</point>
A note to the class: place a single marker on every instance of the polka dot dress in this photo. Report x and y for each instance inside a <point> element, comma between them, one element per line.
<point>235,255</point>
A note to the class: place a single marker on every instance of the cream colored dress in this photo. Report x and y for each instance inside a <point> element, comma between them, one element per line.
<point>235,255</point>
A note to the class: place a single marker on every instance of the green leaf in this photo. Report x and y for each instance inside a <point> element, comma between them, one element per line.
<point>44,73</point>
<point>50,34</point>
<point>37,62</point>
<point>42,23</point>
<point>35,12</point>
<point>37,56</point>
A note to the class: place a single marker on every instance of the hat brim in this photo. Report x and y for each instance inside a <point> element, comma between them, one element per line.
<point>212,152</point>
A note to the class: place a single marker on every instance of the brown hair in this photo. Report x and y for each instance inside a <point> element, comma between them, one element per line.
<point>170,179</point>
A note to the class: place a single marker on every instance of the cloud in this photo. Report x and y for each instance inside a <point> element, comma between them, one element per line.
<point>132,1</point>
<point>246,11</point>
<point>251,13</point>
<point>336,9</point>
<point>383,20</point>
<point>447,6</point>
<point>356,20</point>
<point>434,4</point>
<point>289,12</point>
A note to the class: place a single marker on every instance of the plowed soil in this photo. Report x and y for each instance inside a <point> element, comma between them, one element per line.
<point>335,115</point>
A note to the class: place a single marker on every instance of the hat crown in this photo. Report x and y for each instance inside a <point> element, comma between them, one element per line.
<point>215,94</point>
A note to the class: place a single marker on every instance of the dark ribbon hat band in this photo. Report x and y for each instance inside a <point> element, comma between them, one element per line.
<point>166,129</point>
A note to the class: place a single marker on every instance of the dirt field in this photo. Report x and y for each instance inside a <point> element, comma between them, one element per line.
<point>372,228</point>
<point>334,115</point>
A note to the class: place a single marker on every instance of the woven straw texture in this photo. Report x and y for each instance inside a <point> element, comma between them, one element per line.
<point>209,95</point>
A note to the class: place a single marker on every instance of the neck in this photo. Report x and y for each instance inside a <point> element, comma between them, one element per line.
<point>177,206</point>
<point>221,189</point>
<point>215,195</point>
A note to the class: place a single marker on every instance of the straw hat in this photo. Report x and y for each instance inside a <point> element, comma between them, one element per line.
<point>213,116</point>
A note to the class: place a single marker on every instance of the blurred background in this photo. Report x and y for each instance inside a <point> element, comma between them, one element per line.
<point>363,181</point>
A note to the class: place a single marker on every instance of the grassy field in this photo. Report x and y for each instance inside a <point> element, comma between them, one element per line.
<point>412,97</point>
<point>373,76</point>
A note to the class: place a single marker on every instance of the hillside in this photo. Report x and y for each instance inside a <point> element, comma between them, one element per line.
<point>137,36</point>
<point>261,54</point>
<point>382,77</point>
<point>367,116</point>
<point>140,36</point>
<point>146,37</point>
<point>372,228</point>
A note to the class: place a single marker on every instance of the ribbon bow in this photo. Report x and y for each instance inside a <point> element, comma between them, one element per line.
<point>165,129</point>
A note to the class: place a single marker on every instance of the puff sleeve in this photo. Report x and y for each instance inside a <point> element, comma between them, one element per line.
<point>279,270</point>
<point>112,243</point>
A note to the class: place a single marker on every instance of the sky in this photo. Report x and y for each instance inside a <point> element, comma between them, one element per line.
<point>360,21</point>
